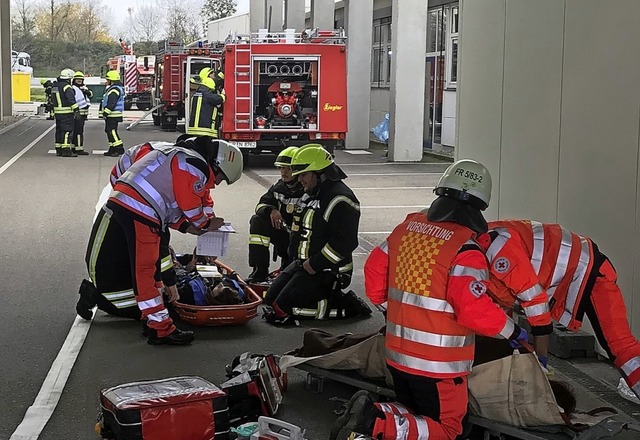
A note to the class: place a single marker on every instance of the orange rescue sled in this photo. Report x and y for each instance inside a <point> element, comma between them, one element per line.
<point>221,315</point>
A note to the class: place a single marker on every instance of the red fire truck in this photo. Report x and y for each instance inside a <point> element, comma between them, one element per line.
<point>285,89</point>
<point>137,76</point>
<point>176,64</point>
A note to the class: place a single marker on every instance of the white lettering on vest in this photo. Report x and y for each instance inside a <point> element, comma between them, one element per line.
<point>427,229</point>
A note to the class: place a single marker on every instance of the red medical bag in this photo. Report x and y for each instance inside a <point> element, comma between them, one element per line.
<point>177,408</point>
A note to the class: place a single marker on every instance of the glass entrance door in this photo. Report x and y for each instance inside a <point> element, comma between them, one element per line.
<point>435,77</point>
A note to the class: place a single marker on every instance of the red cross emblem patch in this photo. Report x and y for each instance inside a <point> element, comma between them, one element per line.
<point>477,288</point>
<point>501,265</point>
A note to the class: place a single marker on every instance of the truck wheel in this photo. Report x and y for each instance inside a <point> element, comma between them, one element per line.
<point>156,120</point>
<point>127,106</point>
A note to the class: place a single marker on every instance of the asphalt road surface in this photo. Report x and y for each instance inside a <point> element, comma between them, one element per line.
<point>47,207</point>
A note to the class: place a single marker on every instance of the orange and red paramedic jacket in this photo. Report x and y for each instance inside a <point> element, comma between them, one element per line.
<point>433,276</point>
<point>169,185</point>
<point>543,266</point>
<point>135,153</point>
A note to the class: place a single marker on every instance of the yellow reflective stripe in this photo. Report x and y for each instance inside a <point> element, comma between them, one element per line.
<point>166,264</point>
<point>202,131</point>
<point>106,110</point>
<point>196,118</point>
<point>300,311</point>
<point>335,201</point>
<point>260,206</point>
<point>125,304</point>
<point>321,309</point>
<point>122,294</point>
<point>97,244</point>
<point>260,240</point>
<point>346,268</point>
<point>331,254</point>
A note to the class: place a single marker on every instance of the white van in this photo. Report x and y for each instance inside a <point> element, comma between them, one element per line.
<point>21,62</point>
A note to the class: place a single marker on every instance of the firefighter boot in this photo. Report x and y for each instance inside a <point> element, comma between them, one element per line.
<point>361,417</point>
<point>58,151</point>
<point>114,151</point>
<point>67,152</point>
<point>345,416</point>
<point>88,297</point>
<point>176,337</point>
<point>258,275</point>
<point>80,151</point>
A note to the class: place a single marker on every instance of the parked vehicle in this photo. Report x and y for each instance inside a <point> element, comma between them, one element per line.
<point>285,89</point>
<point>175,65</point>
<point>21,62</point>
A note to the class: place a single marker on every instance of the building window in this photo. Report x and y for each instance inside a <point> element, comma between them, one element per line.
<point>381,53</point>
<point>452,49</point>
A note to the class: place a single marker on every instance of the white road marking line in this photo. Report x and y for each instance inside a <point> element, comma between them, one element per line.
<point>39,413</point>
<point>378,188</point>
<point>356,152</point>
<point>392,206</point>
<point>98,152</point>
<point>379,164</point>
<point>24,150</point>
<point>371,174</point>
<point>51,152</point>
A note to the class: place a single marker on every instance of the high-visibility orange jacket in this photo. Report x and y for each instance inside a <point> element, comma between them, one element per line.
<point>542,266</point>
<point>167,186</point>
<point>433,276</point>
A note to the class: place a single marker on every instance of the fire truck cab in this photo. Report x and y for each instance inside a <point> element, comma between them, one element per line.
<point>285,89</point>
<point>176,65</point>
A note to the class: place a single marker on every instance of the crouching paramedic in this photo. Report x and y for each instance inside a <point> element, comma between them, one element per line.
<point>432,276</point>
<point>273,218</point>
<point>554,273</point>
<point>112,286</point>
<point>167,187</point>
<point>324,233</point>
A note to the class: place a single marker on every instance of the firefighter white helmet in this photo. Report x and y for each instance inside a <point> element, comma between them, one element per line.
<point>229,161</point>
<point>66,74</point>
<point>468,181</point>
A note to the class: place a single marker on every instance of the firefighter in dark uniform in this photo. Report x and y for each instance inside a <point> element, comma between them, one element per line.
<point>273,218</point>
<point>48,106</point>
<point>65,110</point>
<point>203,114</point>
<point>112,110</point>
<point>324,233</point>
<point>83,96</point>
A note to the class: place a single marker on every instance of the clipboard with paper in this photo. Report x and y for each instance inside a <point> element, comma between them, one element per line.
<point>215,243</point>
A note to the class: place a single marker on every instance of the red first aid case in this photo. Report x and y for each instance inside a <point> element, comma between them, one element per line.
<point>177,408</point>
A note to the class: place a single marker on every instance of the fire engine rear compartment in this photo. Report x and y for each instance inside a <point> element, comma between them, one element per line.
<point>285,93</point>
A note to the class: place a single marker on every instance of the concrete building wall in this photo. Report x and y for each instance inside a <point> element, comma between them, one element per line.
<point>549,100</point>
<point>221,29</point>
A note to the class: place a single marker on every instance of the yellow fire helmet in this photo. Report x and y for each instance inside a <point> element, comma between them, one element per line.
<point>310,157</point>
<point>285,156</point>
<point>113,75</point>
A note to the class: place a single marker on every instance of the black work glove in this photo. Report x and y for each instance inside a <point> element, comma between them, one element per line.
<point>77,115</point>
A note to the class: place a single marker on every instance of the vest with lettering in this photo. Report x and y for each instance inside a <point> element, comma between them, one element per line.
<point>562,260</point>
<point>422,336</point>
<point>151,178</point>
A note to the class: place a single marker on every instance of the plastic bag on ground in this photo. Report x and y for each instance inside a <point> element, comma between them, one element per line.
<point>381,131</point>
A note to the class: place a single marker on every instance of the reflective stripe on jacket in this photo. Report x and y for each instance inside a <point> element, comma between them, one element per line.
<point>561,261</point>
<point>113,101</point>
<point>203,115</point>
<point>433,277</point>
<point>63,98</point>
<point>167,185</point>
<point>81,99</point>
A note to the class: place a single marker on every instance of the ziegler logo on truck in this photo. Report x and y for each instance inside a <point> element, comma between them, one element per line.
<point>331,107</point>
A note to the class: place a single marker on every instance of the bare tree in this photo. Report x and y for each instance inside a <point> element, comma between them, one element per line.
<point>23,19</point>
<point>147,22</point>
<point>216,9</point>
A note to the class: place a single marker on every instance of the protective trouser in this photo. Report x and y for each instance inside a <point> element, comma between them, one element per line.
<point>261,235</point>
<point>604,306</point>
<point>123,253</point>
<point>426,408</point>
<point>78,133</point>
<point>296,288</point>
<point>64,130</point>
<point>111,128</point>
